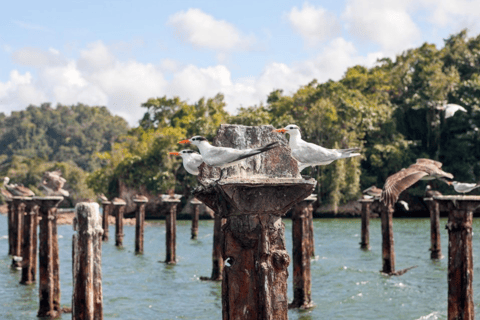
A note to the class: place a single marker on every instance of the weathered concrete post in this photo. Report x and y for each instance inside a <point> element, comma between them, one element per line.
<point>49,262</point>
<point>29,249</point>
<point>388,251</point>
<point>18,215</point>
<point>365,238</point>
<point>140,201</point>
<point>217,252</point>
<point>10,226</point>
<point>87,299</point>
<point>460,258</point>
<point>436,248</point>
<point>310,225</point>
<point>118,209</point>
<point>171,228</point>
<point>302,279</point>
<point>195,215</point>
<point>106,208</point>
<point>255,274</point>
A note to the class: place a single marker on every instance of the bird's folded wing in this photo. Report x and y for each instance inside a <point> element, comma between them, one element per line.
<point>312,153</point>
<point>429,162</point>
<point>196,160</point>
<point>221,155</point>
<point>399,182</point>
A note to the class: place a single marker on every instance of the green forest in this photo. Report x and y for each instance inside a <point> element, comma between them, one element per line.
<point>390,110</point>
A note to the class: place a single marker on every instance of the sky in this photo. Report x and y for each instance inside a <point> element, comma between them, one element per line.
<point>119,53</point>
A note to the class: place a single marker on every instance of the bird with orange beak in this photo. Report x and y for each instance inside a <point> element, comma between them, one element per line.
<point>191,160</point>
<point>309,154</point>
<point>222,157</point>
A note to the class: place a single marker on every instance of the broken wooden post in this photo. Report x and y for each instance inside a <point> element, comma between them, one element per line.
<point>49,262</point>
<point>171,229</point>
<point>118,209</point>
<point>217,252</point>
<point>106,208</point>
<point>460,258</point>
<point>365,237</point>
<point>310,225</point>
<point>140,201</point>
<point>436,248</point>
<point>255,274</point>
<point>10,226</point>
<point>195,215</point>
<point>18,215</point>
<point>87,300</point>
<point>29,249</point>
<point>388,250</point>
<point>301,239</point>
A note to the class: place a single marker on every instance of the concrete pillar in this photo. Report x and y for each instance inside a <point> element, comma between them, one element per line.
<point>388,250</point>
<point>139,223</point>
<point>87,300</point>
<point>217,258</point>
<point>310,225</point>
<point>49,262</point>
<point>10,227</point>
<point>195,216</point>
<point>436,247</point>
<point>118,210</point>
<point>107,207</point>
<point>365,237</point>
<point>29,249</point>
<point>171,230</point>
<point>301,240</point>
<point>18,216</point>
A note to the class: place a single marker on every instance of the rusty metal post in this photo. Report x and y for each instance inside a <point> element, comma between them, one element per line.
<point>49,262</point>
<point>195,215</point>
<point>171,228</point>
<point>217,258</point>
<point>310,225</point>
<point>10,227</point>
<point>388,251</point>
<point>139,224</point>
<point>436,248</point>
<point>106,206</point>
<point>29,249</point>
<point>87,300</point>
<point>365,238</point>
<point>118,209</point>
<point>301,239</point>
<point>460,257</point>
<point>18,215</point>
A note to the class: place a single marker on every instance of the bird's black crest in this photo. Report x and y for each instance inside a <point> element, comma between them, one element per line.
<point>189,151</point>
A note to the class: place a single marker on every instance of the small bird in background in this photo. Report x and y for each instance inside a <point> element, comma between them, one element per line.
<point>423,169</point>
<point>450,109</point>
<point>309,154</point>
<point>373,192</point>
<point>462,187</point>
<point>17,190</point>
<point>140,197</point>
<point>404,205</point>
<point>191,160</point>
<point>222,157</point>
<point>102,198</point>
<point>429,192</point>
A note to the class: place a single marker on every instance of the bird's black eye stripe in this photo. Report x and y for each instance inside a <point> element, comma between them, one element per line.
<point>188,151</point>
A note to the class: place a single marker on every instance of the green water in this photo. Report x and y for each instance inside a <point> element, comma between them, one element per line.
<point>346,281</point>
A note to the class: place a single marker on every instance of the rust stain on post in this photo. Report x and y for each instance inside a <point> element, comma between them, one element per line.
<point>310,228</point>
<point>106,206</point>
<point>18,216</point>
<point>139,224</point>
<point>388,250</point>
<point>365,237</point>
<point>118,209</point>
<point>10,227</point>
<point>49,262</point>
<point>87,298</point>
<point>195,216</point>
<point>435,248</point>
<point>217,258</point>
<point>29,249</point>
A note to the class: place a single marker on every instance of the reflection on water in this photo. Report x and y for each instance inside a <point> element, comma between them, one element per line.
<point>346,283</point>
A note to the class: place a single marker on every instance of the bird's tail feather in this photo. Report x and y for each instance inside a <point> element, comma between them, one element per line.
<point>257,151</point>
<point>349,150</point>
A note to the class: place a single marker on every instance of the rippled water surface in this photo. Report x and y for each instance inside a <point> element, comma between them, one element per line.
<point>346,280</point>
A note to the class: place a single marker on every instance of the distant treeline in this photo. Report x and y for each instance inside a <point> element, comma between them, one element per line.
<point>390,110</point>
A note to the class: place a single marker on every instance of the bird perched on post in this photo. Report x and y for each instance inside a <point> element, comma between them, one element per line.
<point>102,198</point>
<point>462,187</point>
<point>429,192</point>
<point>17,190</point>
<point>309,154</point>
<point>191,160</point>
<point>373,191</point>
<point>423,169</point>
<point>223,157</point>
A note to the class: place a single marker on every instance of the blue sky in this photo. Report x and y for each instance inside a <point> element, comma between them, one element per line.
<point>120,53</point>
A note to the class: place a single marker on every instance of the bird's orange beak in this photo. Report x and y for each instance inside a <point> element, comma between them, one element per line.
<point>174,153</point>
<point>280,130</point>
<point>184,141</point>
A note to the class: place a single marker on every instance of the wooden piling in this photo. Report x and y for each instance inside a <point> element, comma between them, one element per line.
<point>18,216</point>
<point>301,239</point>
<point>106,208</point>
<point>311,233</point>
<point>29,248</point>
<point>118,210</point>
<point>49,262</point>
<point>365,237</point>
<point>195,216</point>
<point>10,226</point>
<point>171,230</point>
<point>139,223</point>
<point>388,251</point>
<point>87,299</point>
<point>435,248</point>
<point>217,258</point>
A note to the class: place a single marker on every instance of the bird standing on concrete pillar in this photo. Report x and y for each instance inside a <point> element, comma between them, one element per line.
<point>191,160</point>
<point>462,187</point>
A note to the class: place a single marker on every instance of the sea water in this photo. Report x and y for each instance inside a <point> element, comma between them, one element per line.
<point>346,282</point>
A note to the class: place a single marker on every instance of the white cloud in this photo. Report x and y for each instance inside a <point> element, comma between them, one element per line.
<point>386,23</point>
<point>38,58</point>
<point>204,31</point>
<point>458,14</point>
<point>314,24</point>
